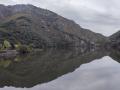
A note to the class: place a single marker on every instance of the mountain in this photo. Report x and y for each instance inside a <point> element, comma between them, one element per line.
<point>115,40</point>
<point>115,36</point>
<point>32,25</point>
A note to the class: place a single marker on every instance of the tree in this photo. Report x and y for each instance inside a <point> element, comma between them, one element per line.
<point>6,44</point>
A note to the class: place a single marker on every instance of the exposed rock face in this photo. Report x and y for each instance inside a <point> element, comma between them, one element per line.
<point>42,28</point>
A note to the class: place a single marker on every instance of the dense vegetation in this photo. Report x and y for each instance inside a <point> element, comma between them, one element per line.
<point>42,28</point>
<point>6,45</point>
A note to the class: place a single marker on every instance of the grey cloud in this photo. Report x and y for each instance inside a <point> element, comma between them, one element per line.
<point>7,2</point>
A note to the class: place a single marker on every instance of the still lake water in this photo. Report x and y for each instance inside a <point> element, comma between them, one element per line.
<point>61,70</point>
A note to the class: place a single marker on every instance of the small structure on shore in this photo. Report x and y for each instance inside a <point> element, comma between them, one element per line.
<point>9,49</point>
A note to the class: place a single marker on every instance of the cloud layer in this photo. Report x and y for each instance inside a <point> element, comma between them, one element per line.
<point>101,16</point>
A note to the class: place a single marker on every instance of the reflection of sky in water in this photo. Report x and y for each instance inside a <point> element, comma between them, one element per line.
<point>100,74</point>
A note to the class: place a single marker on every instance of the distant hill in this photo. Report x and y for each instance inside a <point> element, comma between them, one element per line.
<point>115,36</point>
<point>115,40</point>
<point>28,24</point>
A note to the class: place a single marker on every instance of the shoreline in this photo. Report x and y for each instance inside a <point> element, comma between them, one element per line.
<point>8,53</point>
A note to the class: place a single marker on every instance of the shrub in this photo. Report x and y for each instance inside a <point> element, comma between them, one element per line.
<point>6,44</point>
<point>23,49</point>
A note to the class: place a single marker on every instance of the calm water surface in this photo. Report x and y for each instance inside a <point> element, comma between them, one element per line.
<point>61,70</point>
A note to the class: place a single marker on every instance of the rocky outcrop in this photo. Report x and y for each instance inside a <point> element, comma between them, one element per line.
<point>31,25</point>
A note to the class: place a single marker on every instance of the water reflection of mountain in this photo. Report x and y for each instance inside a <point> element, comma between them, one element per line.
<point>115,54</point>
<point>41,67</point>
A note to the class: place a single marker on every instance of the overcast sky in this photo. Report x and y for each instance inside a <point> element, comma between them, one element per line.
<point>101,16</point>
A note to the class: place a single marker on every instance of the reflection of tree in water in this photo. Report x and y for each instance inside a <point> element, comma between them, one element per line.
<point>5,62</point>
<point>41,67</point>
